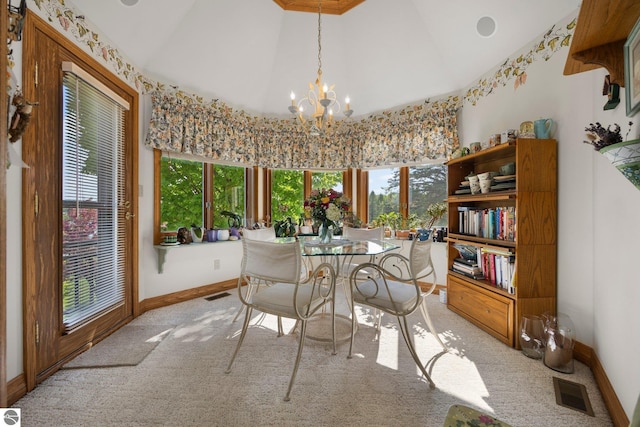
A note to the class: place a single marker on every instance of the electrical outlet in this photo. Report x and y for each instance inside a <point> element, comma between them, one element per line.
<point>216,264</point>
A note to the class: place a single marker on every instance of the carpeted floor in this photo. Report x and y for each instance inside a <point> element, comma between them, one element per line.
<point>128,346</point>
<point>182,382</point>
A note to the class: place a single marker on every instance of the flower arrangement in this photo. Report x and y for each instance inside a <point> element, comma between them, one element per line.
<point>326,206</point>
<point>601,137</point>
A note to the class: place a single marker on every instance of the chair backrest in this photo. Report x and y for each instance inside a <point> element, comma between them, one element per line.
<point>271,261</point>
<point>261,234</point>
<point>420,258</point>
<point>363,233</point>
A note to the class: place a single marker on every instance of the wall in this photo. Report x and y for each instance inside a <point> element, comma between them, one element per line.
<point>597,280</point>
<point>597,209</point>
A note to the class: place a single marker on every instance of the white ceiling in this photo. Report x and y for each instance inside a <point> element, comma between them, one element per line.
<point>382,54</point>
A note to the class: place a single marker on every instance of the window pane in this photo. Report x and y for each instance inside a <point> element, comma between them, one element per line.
<point>287,195</point>
<point>181,195</point>
<point>427,185</point>
<point>327,181</point>
<point>384,192</point>
<point>93,233</point>
<point>228,193</point>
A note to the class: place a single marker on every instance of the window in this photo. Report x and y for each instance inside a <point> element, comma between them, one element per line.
<point>228,193</point>
<point>287,194</point>
<point>193,192</point>
<point>427,185</point>
<point>326,180</point>
<point>410,197</point>
<point>181,193</point>
<point>93,230</point>
<point>384,192</point>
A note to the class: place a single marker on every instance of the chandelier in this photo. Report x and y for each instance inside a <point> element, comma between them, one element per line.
<point>321,99</point>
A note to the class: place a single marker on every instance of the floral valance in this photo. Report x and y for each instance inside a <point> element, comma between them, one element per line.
<point>412,135</point>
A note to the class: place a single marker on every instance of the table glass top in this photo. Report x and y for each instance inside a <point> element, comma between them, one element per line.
<point>311,246</point>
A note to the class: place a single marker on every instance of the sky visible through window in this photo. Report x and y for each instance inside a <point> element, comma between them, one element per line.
<point>378,178</point>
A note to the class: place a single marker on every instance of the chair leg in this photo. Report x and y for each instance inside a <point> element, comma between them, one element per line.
<point>353,329</point>
<point>250,290</point>
<point>378,316</point>
<point>404,327</point>
<point>427,319</point>
<point>303,332</point>
<point>245,326</point>
<point>280,330</point>
<point>333,325</point>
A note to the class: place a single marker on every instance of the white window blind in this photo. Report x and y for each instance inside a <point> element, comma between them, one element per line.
<point>92,191</point>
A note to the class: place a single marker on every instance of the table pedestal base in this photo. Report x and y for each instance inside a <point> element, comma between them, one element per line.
<point>319,327</point>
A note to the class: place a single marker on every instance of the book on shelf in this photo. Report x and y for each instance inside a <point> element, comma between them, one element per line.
<point>467,269</point>
<point>477,276</point>
<point>470,262</point>
<point>495,264</point>
<point>497,223</point>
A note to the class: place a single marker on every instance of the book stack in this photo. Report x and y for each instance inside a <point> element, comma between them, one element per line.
<point>497,223</point>
<point>469,268</point>
<point>498,267</point>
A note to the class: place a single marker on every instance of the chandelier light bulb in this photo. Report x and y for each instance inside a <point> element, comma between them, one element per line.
<point>293,98</point>
<point>325,89</point>
<point>346,101</point>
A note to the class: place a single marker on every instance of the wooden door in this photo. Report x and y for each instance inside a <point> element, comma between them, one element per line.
<point>47,342</point>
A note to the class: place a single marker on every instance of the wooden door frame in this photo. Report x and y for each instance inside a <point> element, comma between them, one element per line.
<point>33,23</point>
<point>3,216</point>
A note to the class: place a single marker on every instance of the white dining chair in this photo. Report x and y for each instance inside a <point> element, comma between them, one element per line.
<point>349,263</point>
<point>392,286</point>
<point>267,234</point>
<point>287,295</point>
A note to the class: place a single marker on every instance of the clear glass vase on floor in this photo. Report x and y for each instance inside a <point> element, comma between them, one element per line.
<point>325,233</point>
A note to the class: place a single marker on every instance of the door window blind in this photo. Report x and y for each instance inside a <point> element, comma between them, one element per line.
<point>93,223</point>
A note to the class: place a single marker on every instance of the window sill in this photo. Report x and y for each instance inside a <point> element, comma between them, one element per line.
<point>163,250</point>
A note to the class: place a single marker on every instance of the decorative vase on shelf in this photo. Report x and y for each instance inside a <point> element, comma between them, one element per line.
<point>197,234</point>
<point>223,234</point>
<point>325,232</point>
<point>625,156</point>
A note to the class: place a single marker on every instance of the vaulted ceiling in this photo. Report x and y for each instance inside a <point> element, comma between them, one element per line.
<point>381,53</point>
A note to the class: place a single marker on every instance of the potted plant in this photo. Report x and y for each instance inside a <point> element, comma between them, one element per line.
<point>623,154</point>
<point>285,227</point>
<point>235,222</point>
<point>434,212</point>
<point>196,233</point>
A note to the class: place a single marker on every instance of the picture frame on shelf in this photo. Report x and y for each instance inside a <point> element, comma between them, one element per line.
<point>632,70</point>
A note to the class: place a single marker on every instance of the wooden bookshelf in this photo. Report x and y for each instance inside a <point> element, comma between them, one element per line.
<point>488,306</point>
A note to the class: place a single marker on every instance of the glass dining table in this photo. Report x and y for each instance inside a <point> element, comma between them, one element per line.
<point>339,253</point>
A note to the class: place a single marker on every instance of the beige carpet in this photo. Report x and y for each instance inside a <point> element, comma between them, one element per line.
<point>182,381</point>
<point>128,346</point>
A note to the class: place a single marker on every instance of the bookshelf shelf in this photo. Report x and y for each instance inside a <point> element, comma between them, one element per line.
<point>530,252</point>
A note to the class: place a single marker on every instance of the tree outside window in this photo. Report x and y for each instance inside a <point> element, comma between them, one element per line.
<point>181,193</point>
<point>384,192</point>
<point>287,195</point>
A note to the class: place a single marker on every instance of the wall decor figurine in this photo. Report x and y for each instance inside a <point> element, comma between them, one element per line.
<point>21,116</point>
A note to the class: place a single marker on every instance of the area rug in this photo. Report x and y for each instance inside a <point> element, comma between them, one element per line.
<point>128,346</point>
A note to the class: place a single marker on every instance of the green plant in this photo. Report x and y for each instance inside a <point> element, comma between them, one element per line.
<point>434,212</point>
<point>285,227</point>
<point>197,230</point>
<point>394,219</point>
<point>234,220</point>
<point>412,221</point>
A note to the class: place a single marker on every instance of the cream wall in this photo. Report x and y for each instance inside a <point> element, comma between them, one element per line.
<point>597,210</point>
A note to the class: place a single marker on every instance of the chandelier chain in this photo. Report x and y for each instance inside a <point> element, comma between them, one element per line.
<point>319,38</point>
